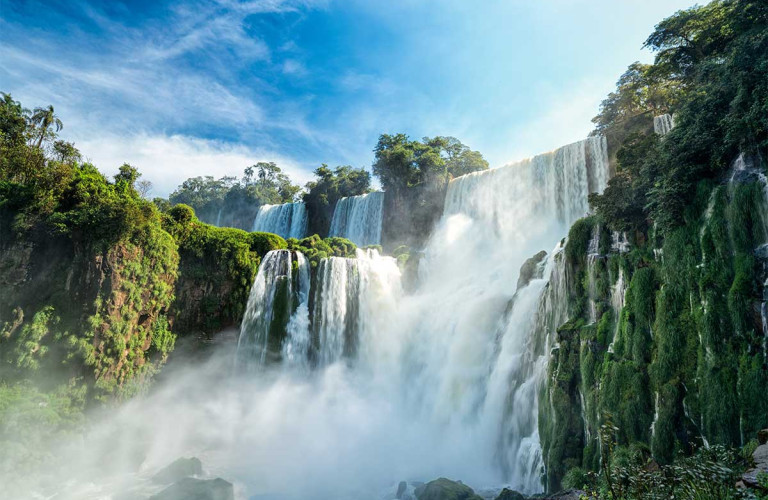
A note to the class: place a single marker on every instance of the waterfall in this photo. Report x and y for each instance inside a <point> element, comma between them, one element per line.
<point>443,380</point>
<point>288,220</point>
<point>350,294</point>
<point>619,242</point>
<point>271,324</point>
<point>618,298</point>
<point>663,124</point>
<point>552,186</point>
<point>358,218</point>
<point>593,256</point>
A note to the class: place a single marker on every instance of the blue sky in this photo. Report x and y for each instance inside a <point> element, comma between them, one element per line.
<point>181,89</point>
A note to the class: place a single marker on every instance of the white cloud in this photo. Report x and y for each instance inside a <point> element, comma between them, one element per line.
<point>168,160</point>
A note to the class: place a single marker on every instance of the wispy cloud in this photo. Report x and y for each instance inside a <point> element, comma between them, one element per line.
<point>166,159</point>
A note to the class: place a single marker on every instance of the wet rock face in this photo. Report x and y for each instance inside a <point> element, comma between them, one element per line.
<point>179,469</point>
<point>507,494</point>
<point>531,269</point>
<point>445,489</point>
<point>190,488</point>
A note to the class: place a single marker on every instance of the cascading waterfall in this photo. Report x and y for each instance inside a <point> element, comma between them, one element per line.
<point>463,355</point>
<point>350,296</point>
<point>593,255</point>
<point>358,218</point>
<point>663,124</point>
<point>618,298</point>
<point>272,321</point>
<point>288,220</point>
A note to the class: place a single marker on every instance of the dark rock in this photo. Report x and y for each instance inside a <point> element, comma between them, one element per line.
<point>401,489</point>
<point>190,488</point>
<point>507,494</point>
<point>760,457</point>
<point>445,489</point>
<point>181,468</point>
<point>531,269</point>
<point>762,436</point>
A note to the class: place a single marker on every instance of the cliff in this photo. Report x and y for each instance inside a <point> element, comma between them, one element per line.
<point>664,349</point>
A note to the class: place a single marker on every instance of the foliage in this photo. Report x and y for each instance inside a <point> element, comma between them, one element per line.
<point>329,187</point>
<point>315,248</point>
<point>401,163</point>
<point>237,200</point>
<point>31,421</point>
<point>216,269</point>
<point>710,70</point>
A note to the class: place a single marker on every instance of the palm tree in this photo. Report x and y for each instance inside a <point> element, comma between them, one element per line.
<point>43,118</point>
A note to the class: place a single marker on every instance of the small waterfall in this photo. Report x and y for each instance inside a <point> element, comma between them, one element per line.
<point>350,293</point>
<point>358,218</point>
<point>593,255</point>
<point>279,294</point>
<point>618,298</point>
<point>619,242</point>
<point>218,218</point>
<point>519,372</point>
<point>288,220</point>
<point>662,124</point>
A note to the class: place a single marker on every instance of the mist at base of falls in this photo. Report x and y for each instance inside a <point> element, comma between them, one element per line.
<point>381,385</point>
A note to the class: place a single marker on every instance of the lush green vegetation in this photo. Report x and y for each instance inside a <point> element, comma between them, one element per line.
<point>329,187</point>
<point>97,282</point>
<point>231,202</point>
<point>682,364</point>
<point>415,175</point>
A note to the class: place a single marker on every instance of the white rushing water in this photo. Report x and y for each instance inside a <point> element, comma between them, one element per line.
<point>348,388</point>
<point>461,360</point>
<point>663,124</point>
<point>279,292</point>
<point>358,218</point>
<point>288,220</point>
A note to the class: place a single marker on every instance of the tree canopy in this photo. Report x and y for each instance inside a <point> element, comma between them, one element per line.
<point>711,72</point>
<point>402,163</point>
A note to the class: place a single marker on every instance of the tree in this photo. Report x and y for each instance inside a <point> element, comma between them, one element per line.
<point>43,119</point>
<point>66,152</point>
<point>144,187</point>
<point>330,186</point>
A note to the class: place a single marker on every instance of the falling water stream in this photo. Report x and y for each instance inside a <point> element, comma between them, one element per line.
<point>457,364</point>
<point>345,384</point>
<point>288,220</point>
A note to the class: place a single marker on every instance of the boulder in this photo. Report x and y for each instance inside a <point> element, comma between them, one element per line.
<point>401,489</point>
<point>760,457</point>
<point>180,468</point>
<point>531,269</point>
<point>762,436</point>
<point>507,494</point>
<point>189,488</point>
<point>445,489</point>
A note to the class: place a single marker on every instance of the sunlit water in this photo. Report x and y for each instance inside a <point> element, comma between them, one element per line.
<point>383,386</point>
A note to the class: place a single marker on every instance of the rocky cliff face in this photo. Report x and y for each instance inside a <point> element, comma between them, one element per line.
<point>85,312</point>
<point>666,344</point>
<point>109,316</point>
